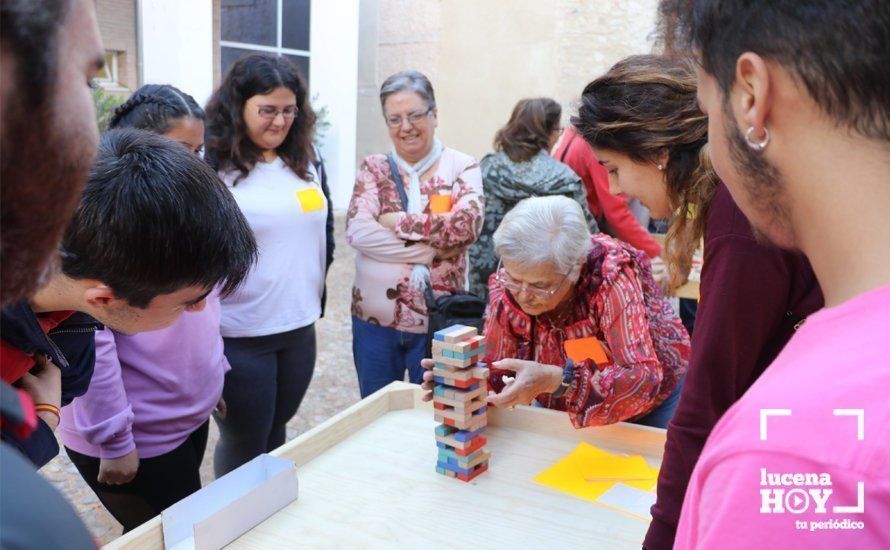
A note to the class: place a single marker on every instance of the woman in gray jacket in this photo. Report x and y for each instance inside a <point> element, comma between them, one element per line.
<point>521,167</point>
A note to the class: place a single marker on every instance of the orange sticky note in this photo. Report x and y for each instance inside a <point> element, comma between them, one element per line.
<point>580,349</point>
<point>310,200</point>
<point>440,204</point>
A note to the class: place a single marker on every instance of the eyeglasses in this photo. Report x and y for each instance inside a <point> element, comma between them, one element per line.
<point>270,113</point>
<point>413,118</point>
<point>516,288</point>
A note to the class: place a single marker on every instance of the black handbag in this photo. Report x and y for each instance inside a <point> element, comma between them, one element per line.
<point>457,308</point>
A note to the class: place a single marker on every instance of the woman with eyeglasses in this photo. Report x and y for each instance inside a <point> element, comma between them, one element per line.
<point>578,322</point>
<point>408,240</point>
<point>521,167</point>
<point>259,137</point>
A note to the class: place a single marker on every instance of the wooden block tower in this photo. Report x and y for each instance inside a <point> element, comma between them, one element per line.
<point>459,398</point>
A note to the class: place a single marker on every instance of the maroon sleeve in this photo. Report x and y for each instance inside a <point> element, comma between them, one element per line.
<point>744,291</point>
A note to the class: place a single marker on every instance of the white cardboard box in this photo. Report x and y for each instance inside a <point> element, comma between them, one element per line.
<point>230,506</point>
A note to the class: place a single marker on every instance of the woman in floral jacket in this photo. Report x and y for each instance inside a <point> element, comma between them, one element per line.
<point>579,322</point>
<point>401,248</point>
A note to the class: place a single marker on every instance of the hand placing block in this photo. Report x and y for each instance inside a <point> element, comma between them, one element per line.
<point>460,402</point>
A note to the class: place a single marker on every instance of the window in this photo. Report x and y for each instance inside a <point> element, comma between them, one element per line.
<point>108,76</point>
<point>271,26</point>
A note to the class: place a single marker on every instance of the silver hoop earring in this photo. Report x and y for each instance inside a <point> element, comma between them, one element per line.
<point>755,145</point>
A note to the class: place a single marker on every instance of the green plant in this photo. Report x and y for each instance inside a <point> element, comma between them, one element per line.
<point>105,104</point>
<point>321,121</point>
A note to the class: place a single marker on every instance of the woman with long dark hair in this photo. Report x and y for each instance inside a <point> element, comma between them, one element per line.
<point>260,127</point>
<point>644,124</point>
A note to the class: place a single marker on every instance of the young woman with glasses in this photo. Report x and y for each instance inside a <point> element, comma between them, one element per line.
<point>259,137</point>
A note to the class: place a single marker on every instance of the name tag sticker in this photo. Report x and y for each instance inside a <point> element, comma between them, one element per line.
<point>580,349</point>
<point>310,200</point>
<point>440,204</point>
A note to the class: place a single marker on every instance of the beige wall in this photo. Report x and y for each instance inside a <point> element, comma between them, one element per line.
<point>484,55</point>
<point>117,26</point>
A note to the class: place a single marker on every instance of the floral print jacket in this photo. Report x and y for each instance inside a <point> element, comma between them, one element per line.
<point>385,257</point>
<point>618,302</point>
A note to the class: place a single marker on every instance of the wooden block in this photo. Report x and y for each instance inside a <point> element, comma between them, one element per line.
<point>458,395</point>
<point>473,354</point>
<point>445,415</point>
<point>466,346</point>
<point>476,342</point>
<point>466,462</point>
<point>460,384</point>
<point>440,346</point>
<point>476,471</point>
<point>458,445</point>
<point>445,472</point>
<point>460,415</point>
<point>451,361</point>
<point>455,333</point>
<point>444,431</point>
<point>465,435</point>
<point>474,373</point>
<point>471,405</point>
<point>459,470</point>
<point>474,445</point>
<point>476,421</point>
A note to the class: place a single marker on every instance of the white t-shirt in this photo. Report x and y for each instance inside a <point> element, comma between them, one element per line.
<point>288,216</point>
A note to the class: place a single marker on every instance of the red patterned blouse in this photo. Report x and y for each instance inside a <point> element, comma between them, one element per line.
<point>618,302</point>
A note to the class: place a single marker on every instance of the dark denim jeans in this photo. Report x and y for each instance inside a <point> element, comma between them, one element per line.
<point>382,355</point>
<point>662,414</point>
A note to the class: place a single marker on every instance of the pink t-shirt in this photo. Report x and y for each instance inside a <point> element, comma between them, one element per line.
<point>784,466</point>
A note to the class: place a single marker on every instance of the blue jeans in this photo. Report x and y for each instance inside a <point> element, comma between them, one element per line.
<point>382,355</point>
<point>662,414</point>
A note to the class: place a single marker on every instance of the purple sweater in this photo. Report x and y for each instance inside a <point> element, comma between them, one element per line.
<point>151,390</point>
<point>752,296</point>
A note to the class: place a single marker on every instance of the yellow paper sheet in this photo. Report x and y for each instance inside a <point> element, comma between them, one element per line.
<point>310,200</point>
<point>572,472</point>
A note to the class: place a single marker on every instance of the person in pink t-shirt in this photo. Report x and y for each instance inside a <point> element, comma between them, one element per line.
<point>799,129</point>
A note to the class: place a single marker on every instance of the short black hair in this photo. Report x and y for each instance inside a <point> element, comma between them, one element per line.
<point>155,107</point>
<point>839,50</point>
<point>155,219</point>
<point>30,30</point>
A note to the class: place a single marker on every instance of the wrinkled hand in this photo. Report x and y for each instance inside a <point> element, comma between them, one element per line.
<point>531,380</point>
<point>117,471</point>
<point>389,220</point>
<point>428,383</point>
<point>221,409</point>
<point>44,386</point>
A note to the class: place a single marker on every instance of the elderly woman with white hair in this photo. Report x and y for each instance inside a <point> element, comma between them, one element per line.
<point>410,238</point>
<point>579,322</point>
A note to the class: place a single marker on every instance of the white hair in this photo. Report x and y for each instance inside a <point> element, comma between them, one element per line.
<point>542,230</point>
